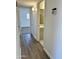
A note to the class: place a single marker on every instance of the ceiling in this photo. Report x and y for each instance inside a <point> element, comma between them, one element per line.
<point>28,2</point>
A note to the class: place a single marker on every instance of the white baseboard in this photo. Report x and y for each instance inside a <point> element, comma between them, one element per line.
<point>50,56</point>
<point>35,37</point>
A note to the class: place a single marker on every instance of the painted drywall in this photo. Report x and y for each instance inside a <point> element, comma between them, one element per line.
<point>34,24</point>
<point>26,4</point>
<point>24,17</point>
<point>52,32</point>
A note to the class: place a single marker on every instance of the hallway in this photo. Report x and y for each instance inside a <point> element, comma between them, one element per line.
<point>41,39</point>
<point>30,48</point>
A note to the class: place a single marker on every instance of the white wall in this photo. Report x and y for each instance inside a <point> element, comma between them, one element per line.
<point>34,21</point>
<point>52,32</point>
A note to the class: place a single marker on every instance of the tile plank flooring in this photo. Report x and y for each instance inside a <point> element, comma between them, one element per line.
<point>31,49</point>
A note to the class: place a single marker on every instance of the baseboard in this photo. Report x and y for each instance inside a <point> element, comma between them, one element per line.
<point>49,55</point>
<point>35,37</point>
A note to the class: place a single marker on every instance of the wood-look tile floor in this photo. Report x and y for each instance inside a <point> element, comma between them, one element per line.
<point>31,49</point>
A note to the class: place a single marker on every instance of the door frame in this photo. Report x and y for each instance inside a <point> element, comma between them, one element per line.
<point>18,33</point>
<point>19,17</point>
<point>38,22</point>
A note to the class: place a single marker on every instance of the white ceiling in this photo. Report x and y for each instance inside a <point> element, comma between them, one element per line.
<point>28,2</point>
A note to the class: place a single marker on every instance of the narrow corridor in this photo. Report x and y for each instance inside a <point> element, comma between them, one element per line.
<point>30,48</point>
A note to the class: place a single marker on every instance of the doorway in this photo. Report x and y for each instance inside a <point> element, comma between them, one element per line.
<point>24,14</point>
<point>41,20</point>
